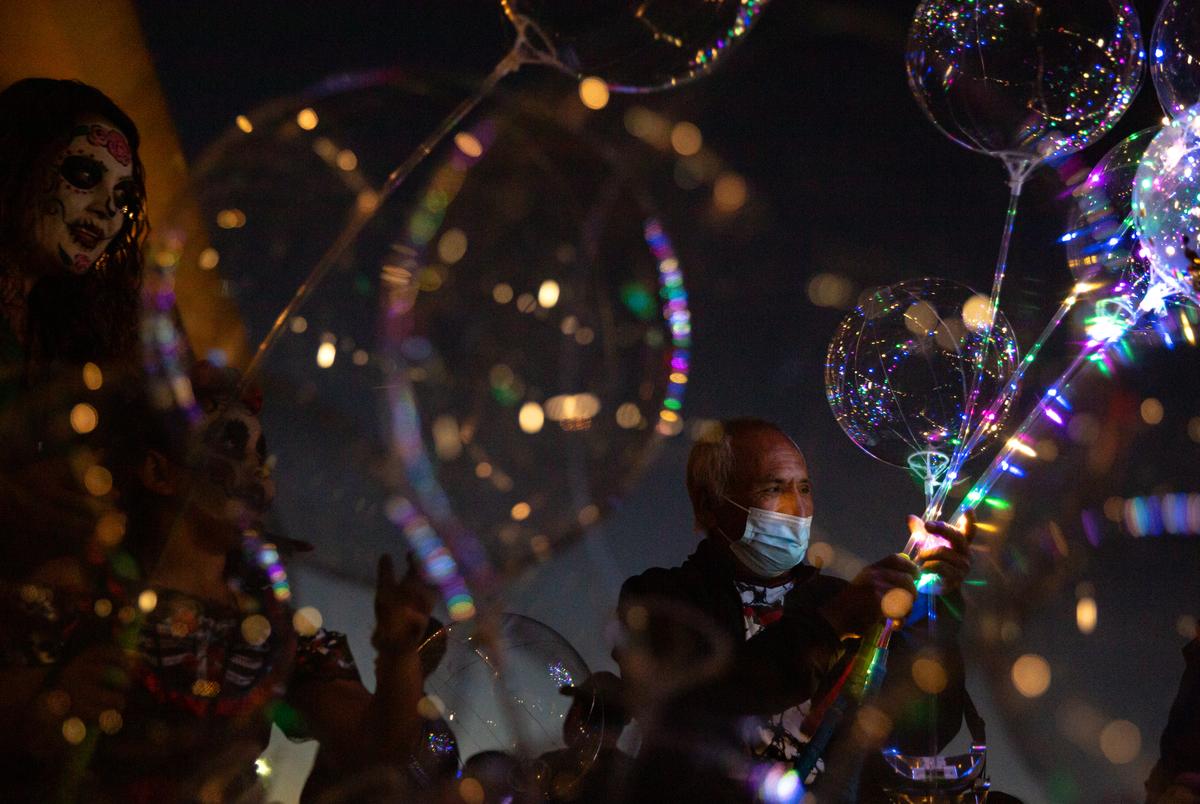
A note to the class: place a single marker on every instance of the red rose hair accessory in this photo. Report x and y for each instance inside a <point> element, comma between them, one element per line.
<point>114,141</point>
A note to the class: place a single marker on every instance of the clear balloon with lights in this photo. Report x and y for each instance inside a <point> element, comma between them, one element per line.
<point>635,47</point>
<point>1166,192</point>
<point>623,47</point>
<point>1021,81</point>
<point>498,685</point>
<point>900,370</point>
<point>545,363</point>
<point>1173,47</point>
<point>1110,267</point>
<point>488,368</point>
<point>1088,566</point>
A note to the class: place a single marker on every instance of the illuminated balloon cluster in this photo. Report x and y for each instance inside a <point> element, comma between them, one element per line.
<point>901,367</point>
<point>1025,81</point>
<point>635,47</point>
<point>1094,463</point>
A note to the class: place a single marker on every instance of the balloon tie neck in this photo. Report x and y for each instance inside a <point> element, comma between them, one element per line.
<point>929,466</point>
<point>1019,168</point>
<point>532,45</point>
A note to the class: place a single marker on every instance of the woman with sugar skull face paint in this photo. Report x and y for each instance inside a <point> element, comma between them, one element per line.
<point>72,223</point>
<point>88,195</point>
<point>72,193</point>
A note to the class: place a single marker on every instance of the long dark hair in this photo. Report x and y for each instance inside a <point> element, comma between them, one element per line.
<point>72,318</point>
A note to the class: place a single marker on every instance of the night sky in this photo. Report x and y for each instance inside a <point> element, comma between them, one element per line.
<point>847,177</point>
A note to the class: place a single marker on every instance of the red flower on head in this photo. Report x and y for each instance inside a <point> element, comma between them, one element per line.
<point>114,141</point>
<point>118,146</point>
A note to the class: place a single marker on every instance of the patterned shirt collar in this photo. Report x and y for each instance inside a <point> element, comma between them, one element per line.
<point>763,597</point>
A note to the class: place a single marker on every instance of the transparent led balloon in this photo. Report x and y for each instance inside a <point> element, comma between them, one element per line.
<point>499,685</point>
<point>1166,197</point>
<point>1025,81</point>
<point>1088,569</point>
<point>649,46</point>
<point>1109,265</point>
<point>636,46</point>
<point>1174,45</point>
<point>1100,241</point>
<point>488,366</point>
<point>538,360</point>
<point>901,367</point>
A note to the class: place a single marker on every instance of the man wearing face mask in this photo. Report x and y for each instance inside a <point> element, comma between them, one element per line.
<point>792,628</point>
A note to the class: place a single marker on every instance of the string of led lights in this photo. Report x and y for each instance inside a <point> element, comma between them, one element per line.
<point>1053,405</point>
<point>1007,394</point>
<point>679,319</point>
<point>746,15</point>
<point>436,558</point>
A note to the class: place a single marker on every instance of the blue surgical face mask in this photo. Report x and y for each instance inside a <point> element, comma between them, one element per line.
<point>772,543</point>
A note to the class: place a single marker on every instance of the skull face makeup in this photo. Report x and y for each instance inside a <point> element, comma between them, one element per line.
<point>88,194</point>
<point>232,486</point>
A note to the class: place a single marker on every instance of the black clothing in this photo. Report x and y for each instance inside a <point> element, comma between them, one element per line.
<point>778,668</point>
<point>568,777</point>
<point>791,660</point>
<point>1180,743</point>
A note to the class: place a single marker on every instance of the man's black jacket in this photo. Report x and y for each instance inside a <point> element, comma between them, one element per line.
<point>795,658</point>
